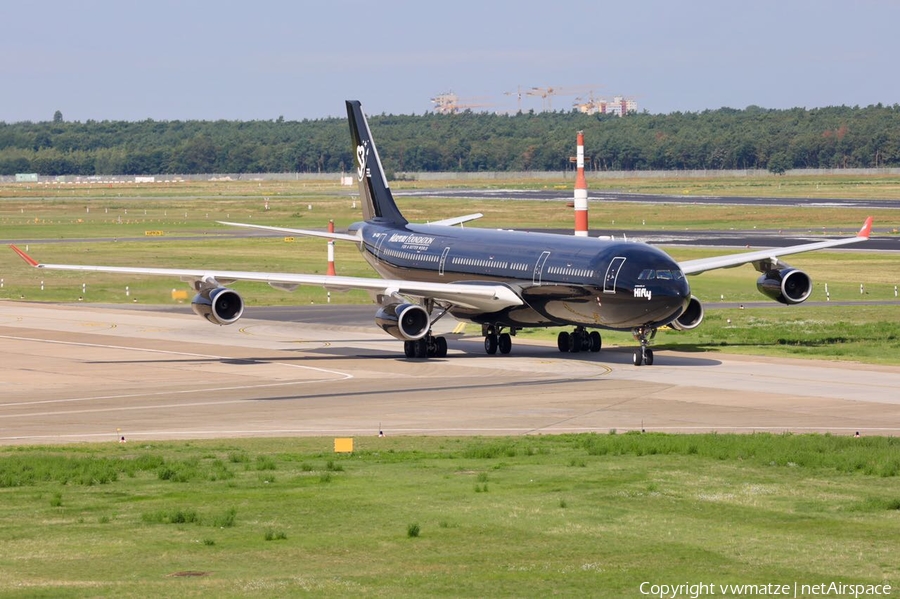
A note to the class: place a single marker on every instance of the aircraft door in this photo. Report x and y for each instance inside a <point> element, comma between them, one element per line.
<point>443,260</point>
<point>539,268</point>
<point>381,239</point>
<point>612,274</point>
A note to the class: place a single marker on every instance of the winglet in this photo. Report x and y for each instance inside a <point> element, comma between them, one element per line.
<point>867,228</point>
<point>31,261</point>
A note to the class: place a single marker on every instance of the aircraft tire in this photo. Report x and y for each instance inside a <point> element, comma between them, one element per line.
<point>490,344</point>
<point>440,347</point>
<point>562,341</point>
<point>504,343</point>
<point>638,357</point>
<point>575,341</point>
<point>409,349</point>
<point>596,341</point>
<point>648,357</point>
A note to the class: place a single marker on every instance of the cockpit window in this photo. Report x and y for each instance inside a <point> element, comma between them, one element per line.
<point>648,274</point>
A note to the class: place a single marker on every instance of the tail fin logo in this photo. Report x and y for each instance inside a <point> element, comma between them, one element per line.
<point>362,156</point>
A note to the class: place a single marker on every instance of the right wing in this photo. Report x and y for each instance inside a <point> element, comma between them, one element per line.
<point>485,298</point>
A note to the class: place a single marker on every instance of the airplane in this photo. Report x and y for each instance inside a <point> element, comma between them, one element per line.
<point>502,280</point>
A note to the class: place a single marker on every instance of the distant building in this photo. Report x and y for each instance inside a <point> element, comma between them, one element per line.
<point>26,177</point>
<point>619,106</point>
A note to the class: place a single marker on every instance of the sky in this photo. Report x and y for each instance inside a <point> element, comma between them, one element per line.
<point>184,59</point>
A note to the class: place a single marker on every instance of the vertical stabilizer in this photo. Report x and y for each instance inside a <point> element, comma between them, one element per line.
<point>378,203</point>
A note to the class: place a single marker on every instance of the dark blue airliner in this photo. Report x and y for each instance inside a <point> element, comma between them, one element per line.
<point>502,280</point>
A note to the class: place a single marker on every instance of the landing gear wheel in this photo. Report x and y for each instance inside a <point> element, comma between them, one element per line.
<point>421,348</point>
<point>643,354</point>
<point>490,344</point>
<point>562,341</point>
<point>504,343</point>
<point>638,357</point>
<point>596,341</point>
<point>576,340</point>
<point>409,349</point>
<point>440,347</point>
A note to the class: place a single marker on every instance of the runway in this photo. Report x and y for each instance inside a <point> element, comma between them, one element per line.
<point>550,195</point>
<point>778,237</point>
<point>86,373</point>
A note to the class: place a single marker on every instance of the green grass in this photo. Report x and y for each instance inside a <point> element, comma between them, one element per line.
<point>581,515</point>
<point>128,210</point>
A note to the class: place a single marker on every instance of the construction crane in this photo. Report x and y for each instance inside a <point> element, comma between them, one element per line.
<point>450,103</point>
<point>518,94</point>
<point>587,105</point>
<point>546,93</point>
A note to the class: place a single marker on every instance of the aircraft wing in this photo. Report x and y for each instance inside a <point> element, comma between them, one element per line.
<point>486,298</point>
<point>693,267</point>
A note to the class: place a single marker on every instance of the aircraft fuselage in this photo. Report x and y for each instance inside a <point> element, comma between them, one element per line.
<point>563,280</point>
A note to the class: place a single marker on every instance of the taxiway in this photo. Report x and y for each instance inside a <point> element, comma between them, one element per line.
<point>86,373</point>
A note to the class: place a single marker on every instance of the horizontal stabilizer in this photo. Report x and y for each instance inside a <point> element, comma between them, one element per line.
<point>289,231</point>
<point>457,220</point>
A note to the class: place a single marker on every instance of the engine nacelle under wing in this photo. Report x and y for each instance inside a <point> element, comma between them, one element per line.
<point>786,285</point>
<point>690,318</point>
<point>407,322</point>
<point>219,306</point>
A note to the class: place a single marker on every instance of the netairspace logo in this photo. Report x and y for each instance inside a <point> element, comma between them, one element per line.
<point>825,589</point>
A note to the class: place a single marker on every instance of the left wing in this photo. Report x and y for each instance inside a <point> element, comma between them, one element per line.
<point>770,256</point>
<point>486,298</point>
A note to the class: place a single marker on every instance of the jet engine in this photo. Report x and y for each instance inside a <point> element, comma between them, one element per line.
<point>407,322</point>
<point>786,285</point>
<point>690,318</point>
<point>219,305</point>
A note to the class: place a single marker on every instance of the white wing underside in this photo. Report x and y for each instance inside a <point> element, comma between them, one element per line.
<point>485,298</point>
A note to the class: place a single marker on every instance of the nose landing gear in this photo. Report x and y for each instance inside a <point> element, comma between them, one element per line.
<point>643,354</point>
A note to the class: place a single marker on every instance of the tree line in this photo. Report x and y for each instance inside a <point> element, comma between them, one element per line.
<point>751,138</point>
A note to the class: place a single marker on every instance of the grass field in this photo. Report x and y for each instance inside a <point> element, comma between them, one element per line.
<point>588,515</point>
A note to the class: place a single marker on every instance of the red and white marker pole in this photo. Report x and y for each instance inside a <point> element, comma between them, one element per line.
<point>581,214</point>
<point>331,271</point>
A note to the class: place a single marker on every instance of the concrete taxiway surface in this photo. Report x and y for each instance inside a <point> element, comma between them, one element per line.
<point>85,373</point>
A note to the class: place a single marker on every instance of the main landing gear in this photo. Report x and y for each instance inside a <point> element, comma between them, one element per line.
<point>643,354</point>
<point>495,340</point>
<point>428,346</point>
<point>579,340</point>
